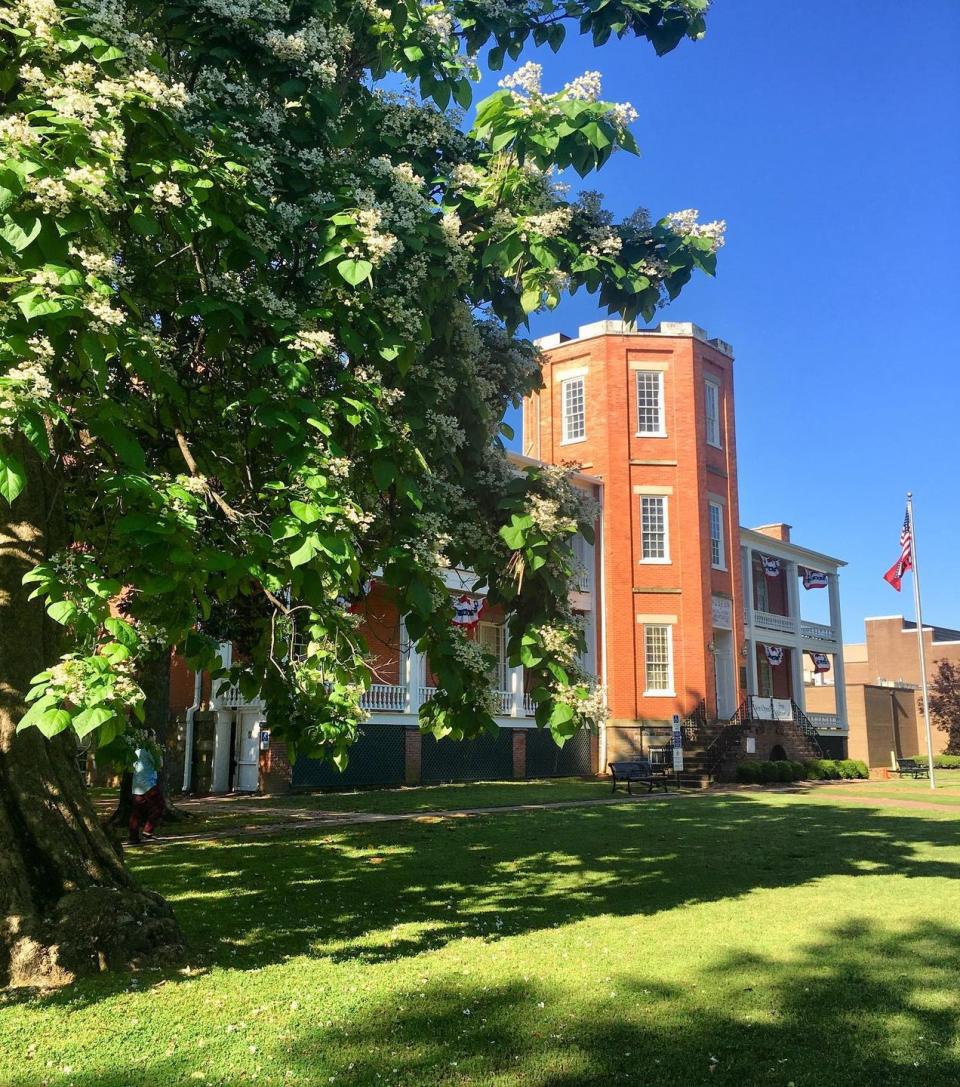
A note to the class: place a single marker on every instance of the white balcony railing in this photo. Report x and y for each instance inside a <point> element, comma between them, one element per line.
<point>385,697</point>
<point>827,722</point>
<point>502,703</point>
<point>529,706</point>
<point>768,621</point>
<point>820,632</point>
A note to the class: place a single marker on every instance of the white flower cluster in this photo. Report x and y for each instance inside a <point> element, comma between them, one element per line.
<point>585,87</point>
<point>548,516</point>
<point>25,386</point>
<point>439,21</point>
<point>314,49</point>
<point>313,342</point>
<point>551,223</point>
<point>560,642</point>
<point>167,192</point>
<point>95,262</point>
<point>466,176</point>
<point>686,223</point>
<point>527,80</point>
<point>16,130</point>
<point>104,315</point>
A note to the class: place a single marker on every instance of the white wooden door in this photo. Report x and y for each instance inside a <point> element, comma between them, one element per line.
<point>248,751</point>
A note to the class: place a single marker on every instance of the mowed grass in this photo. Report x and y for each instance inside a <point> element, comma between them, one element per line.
<point>751,938</point>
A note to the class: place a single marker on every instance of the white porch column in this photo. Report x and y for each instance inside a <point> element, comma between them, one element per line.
<point>839,688</point>
<point>753,680</point>
<point>516,691</point>
<point>796,676</point>
<point>790,572</point>
<point>412,673</point>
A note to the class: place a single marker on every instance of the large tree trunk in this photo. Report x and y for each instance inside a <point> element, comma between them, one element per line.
<point>67,904</point>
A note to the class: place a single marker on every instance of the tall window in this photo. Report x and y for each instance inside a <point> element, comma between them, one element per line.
<point>712,402</point>
<point>717,559</point>
<point>574,409</point>
<point>654,531</point>
<point>658,658</point>
<point>650,402</point>
<point>492,638</point>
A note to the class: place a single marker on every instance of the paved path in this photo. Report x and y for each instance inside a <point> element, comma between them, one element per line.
<point>308,819</point>
<point>325,820</point>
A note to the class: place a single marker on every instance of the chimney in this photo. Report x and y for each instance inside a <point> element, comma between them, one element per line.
<point>777,531</point>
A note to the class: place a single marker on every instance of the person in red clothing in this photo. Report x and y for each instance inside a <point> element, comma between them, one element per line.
<point>148,802</point>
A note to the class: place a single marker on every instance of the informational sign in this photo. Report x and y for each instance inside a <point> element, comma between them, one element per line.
<point>782,709</point>
<point>751,745</point>
<point>722,613</point>
<point>264,739</point>
<point>677,743</point>
<point>772,709</point>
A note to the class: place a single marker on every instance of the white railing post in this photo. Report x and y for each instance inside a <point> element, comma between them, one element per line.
<point>791,573</point>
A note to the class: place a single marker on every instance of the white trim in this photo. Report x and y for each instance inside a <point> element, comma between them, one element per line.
<point>665,558</point>
<point>565,437</point>
<point>722,564</point>
<point>712,382</point>
<point>661,405</point>
<point>656,692</point>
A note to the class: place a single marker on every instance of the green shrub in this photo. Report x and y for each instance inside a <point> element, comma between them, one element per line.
<point>946,762</point>
<point>822,769</point>
<point>768,772</point>
<point>799,770</point>
<point>784,770</point>
<point>863,771</point>
<point>846,769</point>
<point>748,773</point>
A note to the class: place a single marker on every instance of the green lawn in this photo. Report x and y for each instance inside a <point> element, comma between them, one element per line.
<point>738,939</point>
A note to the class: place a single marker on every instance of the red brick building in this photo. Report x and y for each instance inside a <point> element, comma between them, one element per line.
<point>685,612</point>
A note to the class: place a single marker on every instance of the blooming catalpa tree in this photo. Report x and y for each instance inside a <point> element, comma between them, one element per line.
<point>260,311</point>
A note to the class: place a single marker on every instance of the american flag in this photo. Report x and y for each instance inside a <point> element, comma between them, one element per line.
<point>895,574</point>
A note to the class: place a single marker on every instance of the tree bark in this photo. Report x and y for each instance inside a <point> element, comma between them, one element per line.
<point>67,903</point>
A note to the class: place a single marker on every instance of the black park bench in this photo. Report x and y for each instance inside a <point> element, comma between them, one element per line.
<point>639,770</point>
<point>911,767</point>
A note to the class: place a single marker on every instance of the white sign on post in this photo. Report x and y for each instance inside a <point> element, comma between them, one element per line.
<point>677,744</point>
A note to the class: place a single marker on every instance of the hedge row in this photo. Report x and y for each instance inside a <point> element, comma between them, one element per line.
<point>765,773</point>
<point>946,762</point>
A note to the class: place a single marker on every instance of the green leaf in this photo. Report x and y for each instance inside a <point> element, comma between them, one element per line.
<point>91,718</point>
<point>384,472</point>
<point>62,612</point>
<point>18,231</point>
<point>52,722</point>
<point>355,271</point>
<point>12,477</point>
<point>122,631</point>
<point>306,512</point>
<point>305,552</point>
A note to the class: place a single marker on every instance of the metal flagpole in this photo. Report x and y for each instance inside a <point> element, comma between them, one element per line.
<point>923,659</point>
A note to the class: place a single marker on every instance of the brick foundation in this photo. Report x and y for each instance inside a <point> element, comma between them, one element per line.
<point>519,753</point>
<point>412,746</point>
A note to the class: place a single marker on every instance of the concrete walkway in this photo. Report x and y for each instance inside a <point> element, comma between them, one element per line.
<point>308,819</point>
<point>328,820</point>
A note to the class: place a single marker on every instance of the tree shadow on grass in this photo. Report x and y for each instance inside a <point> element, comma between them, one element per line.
<point>859,1005</point>
<point>378,893</point>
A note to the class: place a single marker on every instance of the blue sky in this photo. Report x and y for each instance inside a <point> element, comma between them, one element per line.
<point>828,136</point>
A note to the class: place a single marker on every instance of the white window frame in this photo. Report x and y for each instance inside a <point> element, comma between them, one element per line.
<point>711,388</point>
<point>720,563</point>
<point>658,374</point>
<point>568,438</point>
<point>659,692</point>
<point>660,560</point>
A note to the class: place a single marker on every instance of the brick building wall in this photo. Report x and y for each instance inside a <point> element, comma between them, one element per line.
<point>680,465</point>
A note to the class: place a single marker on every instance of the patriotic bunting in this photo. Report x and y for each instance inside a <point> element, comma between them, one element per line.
<point>821,662</point>
<point>813,579</point>
<point>466,611</point>
<point>771,566</point>
<point>774,654</point>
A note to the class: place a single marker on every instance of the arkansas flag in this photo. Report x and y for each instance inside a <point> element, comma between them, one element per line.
<point>895,574</point>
